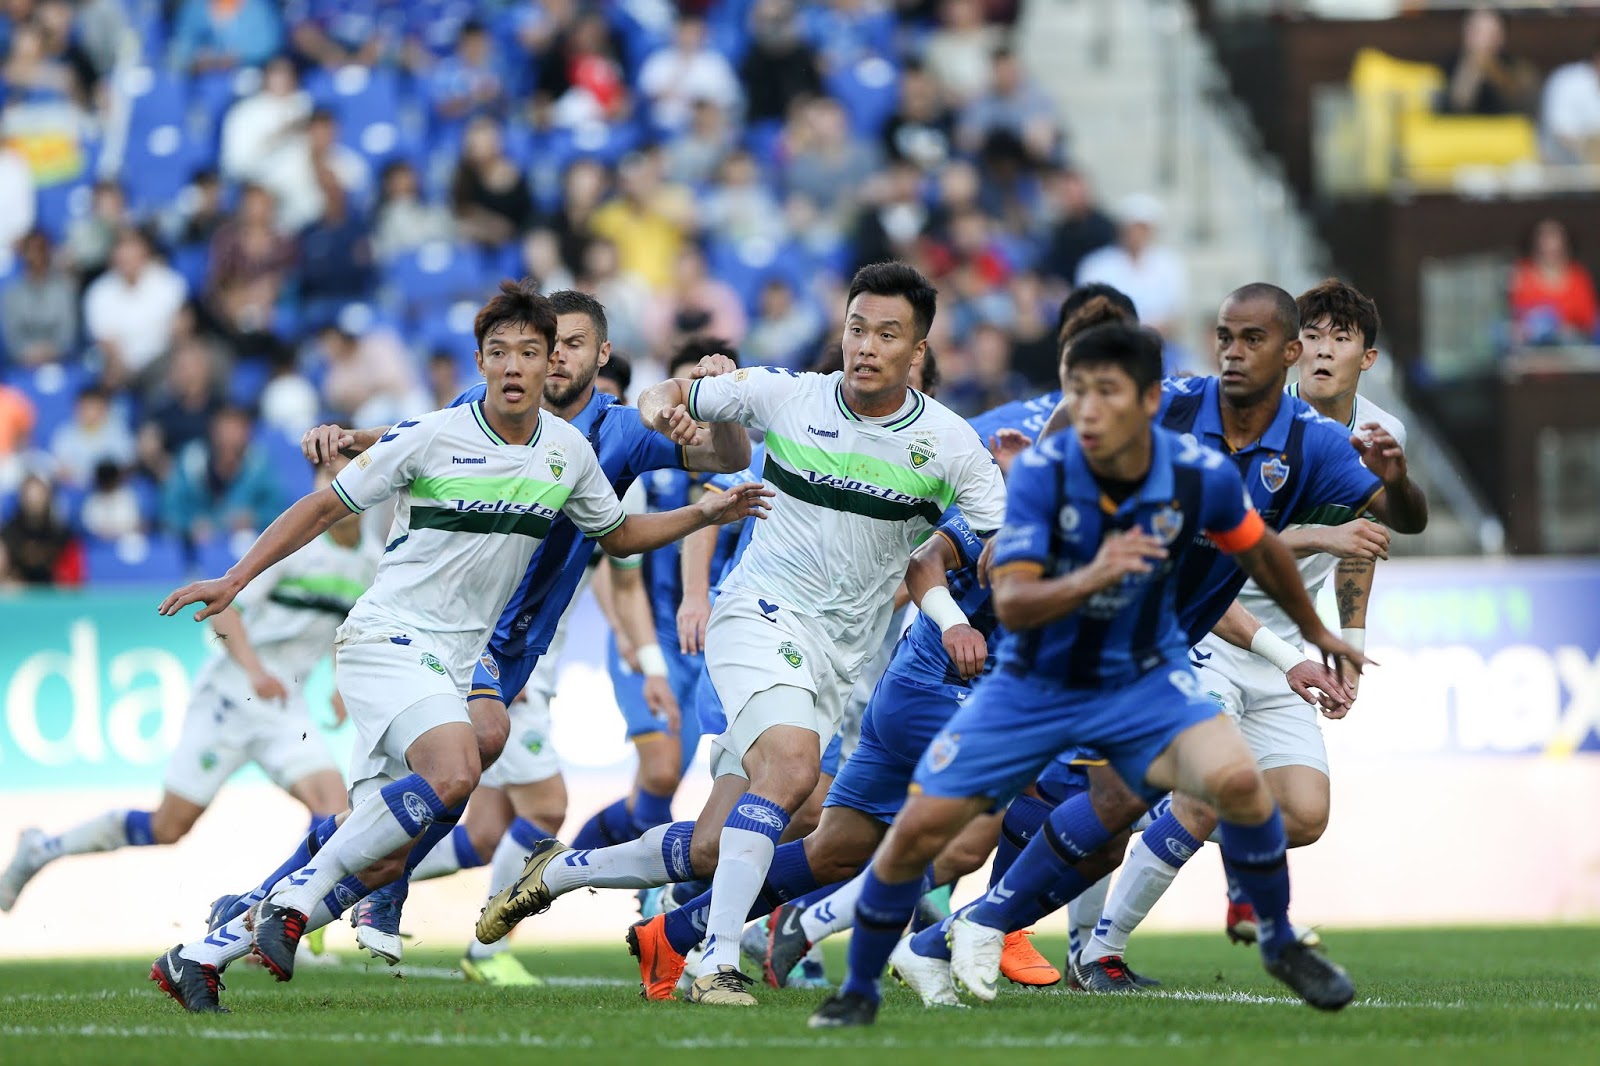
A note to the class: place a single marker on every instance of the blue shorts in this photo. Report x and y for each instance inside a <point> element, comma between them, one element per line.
<point>683,674</point>
<point>831,755</point>
<point>903,717</point>
<point>500,677</point>
<point>1068,774</point>
<point>628,687</point>
<point>708,710</point>
<point>1014,726</point>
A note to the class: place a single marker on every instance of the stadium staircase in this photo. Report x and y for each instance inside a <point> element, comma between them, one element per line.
<point>1147,108</point>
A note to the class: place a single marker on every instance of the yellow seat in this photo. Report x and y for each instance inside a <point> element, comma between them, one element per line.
<point>1386,91</point>
<point>1434,147</point>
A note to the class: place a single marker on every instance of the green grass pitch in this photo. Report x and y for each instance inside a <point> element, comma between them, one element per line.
<point>1426,996</point>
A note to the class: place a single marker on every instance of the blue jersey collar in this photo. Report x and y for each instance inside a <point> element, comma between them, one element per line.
<point>583,421</point>
<point>1208,421</point>
<point>1156,490</point>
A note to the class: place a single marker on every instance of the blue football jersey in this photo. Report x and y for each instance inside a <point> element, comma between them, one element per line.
<point>1057,515</point>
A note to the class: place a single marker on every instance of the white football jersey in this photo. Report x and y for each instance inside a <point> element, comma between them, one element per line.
<point>1315,569</point>
<point>291,612</point>
<point>854,496</point>
<point>471,509</point>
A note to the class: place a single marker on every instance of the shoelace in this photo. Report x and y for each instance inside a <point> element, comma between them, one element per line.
<point>294,924</point>
<point>733,981</point>
<point>213,980</point>
<point>1115,968</point>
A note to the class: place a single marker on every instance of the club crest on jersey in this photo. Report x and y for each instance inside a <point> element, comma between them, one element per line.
<point>1274,473</point>
<point>208,761</point>
<point>490,667</point>
<point>1167,523</point>
<point>942,752</point>
<point>791,654</point>
<point>923,451</point>
<point>431,661</point>
<point>557,461</point>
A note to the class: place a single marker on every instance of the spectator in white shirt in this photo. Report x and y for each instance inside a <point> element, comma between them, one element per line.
<point>958,53</point>
<point>1571,112</point>
<point>96,434</point>
<point>1151,274</point>
<point>129,310</point>
<point>17,193</point>
<point>111,511</point>
<point>269,121</point>
<point>676,76</point>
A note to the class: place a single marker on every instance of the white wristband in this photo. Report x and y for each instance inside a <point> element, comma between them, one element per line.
<point>940,606</point>
<point>1276,650</point>
<point>651,662</point>
<point>1356,638</point>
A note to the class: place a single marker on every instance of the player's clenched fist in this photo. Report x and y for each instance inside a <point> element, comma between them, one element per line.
<point>322,443</point>
<point>741,501</point>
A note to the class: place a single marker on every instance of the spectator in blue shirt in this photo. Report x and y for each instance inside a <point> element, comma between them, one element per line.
<point>223,34</point>
<point>221,485</point>
<point>468,82</point>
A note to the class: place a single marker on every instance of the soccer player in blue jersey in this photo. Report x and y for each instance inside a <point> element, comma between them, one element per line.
<point>1100,524</point>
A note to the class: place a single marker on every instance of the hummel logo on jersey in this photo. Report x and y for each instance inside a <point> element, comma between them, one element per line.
<point>1274,473</point>
<point>470,460</point>
<point>791,654</point>
<point>831,434</point>
<point>768,610</point>
<point>765,815</point>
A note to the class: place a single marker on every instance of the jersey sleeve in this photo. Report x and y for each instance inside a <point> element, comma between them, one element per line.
<point>592,505</point>
<point>1341,487</point>
<point>1228,518</point>
<point>981,490</point>
<point>386,467</point>
<point>1031,508</point>
<point>472,395</point>
<point>967,544</point>
<point>749,395</point>
<point>647,449</point>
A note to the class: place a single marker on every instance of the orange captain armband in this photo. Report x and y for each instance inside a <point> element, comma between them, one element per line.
<point>1241,538</point>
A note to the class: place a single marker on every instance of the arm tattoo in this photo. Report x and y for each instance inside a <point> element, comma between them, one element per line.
<point>1351,594</point>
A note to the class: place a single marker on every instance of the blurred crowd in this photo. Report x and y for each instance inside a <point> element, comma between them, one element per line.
<point>226,220</point>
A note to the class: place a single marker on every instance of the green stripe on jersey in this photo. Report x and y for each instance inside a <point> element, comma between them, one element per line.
<point>449,520</point>
<point>835,497</point>
<point>491,490</point>
<point>326,586</point>
<point>868,468</point>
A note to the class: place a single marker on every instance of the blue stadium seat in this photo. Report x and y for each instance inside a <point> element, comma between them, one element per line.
<point>294,473</point>
<point>869,89</point>
<point>449,329</point>
<point>193,261</point>
<point>137,561</point>
<point>59,205</point>
<point>53,389</point>
<point>247,379</point>
<point>435,275</point>
<point>160,151</point>
<point>370,106</point>
<point>215,557</point>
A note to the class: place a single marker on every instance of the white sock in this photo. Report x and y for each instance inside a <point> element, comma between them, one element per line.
<point>439,862</point>
<point>507,863</point>
<point>836,913</point>
<point>1084,914</point>
<point>232,941</point>
<point>636,864</point>
<point>1142,880</point>
<point>103,832</point>
<point>370,833</point>
<point>742,865</point>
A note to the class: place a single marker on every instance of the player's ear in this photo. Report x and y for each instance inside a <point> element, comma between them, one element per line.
<point>1151,400</point>
<point>1368,357</point>
<point>919,351</point>
<point>1292,352</point>
<point>477,357</point>
<point>605,354</point>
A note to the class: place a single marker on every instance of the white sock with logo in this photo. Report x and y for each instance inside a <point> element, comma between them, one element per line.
<point>834,914</point>
<point>636,864</point>
<point>1142,880</point>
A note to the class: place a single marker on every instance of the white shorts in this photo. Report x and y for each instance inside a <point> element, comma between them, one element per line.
<point>1281,728</point>
<point>380,681</point>
<point>228,726</point>
<point>749,650</point>
<point>529,755</point>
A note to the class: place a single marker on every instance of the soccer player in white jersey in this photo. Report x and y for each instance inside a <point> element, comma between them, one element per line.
<point>478,487</point>
<point>247,705</point>
<point>1339,334</point>
<point>864,467</point>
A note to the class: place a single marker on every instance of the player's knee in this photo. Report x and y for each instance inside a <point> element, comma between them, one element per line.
<point>659,776</point>
<point>491,727</point>
<point>1237,789</point>
<point>1304,827</point>
<point>703,852</point>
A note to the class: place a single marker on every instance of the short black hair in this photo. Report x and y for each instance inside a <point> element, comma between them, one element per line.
<point>1135,349</point>
<point>830,359</point>
<point>1284,310</point>
<point>573,302</point>
<point>1083,294</point>
<point>1343,306</point>
<point>691,350</point>
<point>619,370</point>
<point>517,302</point>
<point>895,278</point>
<point>931,379</point>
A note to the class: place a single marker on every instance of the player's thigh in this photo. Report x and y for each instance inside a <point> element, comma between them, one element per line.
<point>528,756</point>
<point>173,817</point>
<point>842,843</point>
<point>1304,796</point>
<point>925,826</point>
<point>544,803</point>
<point>660,761</point>
<point>1211,761</point>
<point>211,748</point>
<point>291,752</point>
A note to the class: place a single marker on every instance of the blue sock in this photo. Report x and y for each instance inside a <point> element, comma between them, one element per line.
<point>321,830</point>
<point>684,891</point>
<point>788,878</point>
<point>443,824</point>
<point>930,943</point>
<point>1257,855</point>
<point>1023,819</point>
<point>526,833</point>
<point>817,895</point>
<point>346,894</point>
<point>1044,878</point>
<point>136,827</point>
<point>649,811</point>
<point>1170,842</point>
<point>686,926</point>
<point>610,827</point>
<point>882,911</point>
<point>467,856</point>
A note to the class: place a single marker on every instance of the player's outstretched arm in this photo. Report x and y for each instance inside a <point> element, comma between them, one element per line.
<point>1352,588</point>
<point>1311,681</point>
<point>1401,505</point>
<point>1359,538</point>
<point>308,518</point>
<point>1271,565</point>
<point>321,443</point>
<point>641,533</point>
<point>928,585</point>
